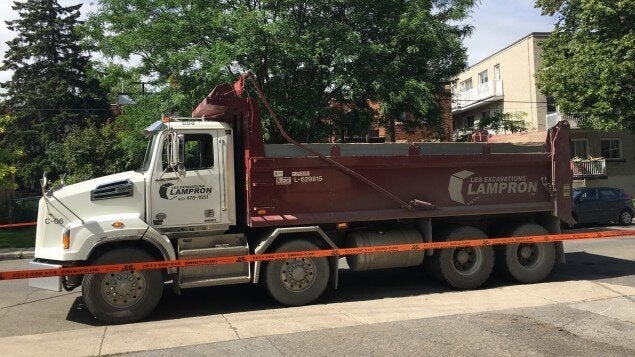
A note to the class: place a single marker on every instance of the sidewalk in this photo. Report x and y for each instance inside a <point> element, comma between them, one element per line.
<point>16,253</point>
<point>565,302</point>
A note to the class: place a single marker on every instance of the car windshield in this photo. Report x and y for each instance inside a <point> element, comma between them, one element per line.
<point>148,155</point>
<point>576,193</point>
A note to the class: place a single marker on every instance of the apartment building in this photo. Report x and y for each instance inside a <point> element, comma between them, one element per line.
<point>505,81</point>
<point>502,82</point>
<point>600,158</point>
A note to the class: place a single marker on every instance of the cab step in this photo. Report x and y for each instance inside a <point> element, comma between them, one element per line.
<point>222,245</point>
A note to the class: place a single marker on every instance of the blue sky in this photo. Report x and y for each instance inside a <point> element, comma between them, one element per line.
<point>497,23</point>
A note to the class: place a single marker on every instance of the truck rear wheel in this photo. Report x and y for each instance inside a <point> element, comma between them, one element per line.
<point>126,296</point>
<point>296,281</point>
<point>526,263</point>
<point>462,268</point>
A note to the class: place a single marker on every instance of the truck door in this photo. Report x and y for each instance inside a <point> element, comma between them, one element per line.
<point>194,199</point>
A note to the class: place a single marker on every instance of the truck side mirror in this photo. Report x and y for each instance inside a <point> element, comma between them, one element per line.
<point>43,183</point>
<point>176,152</point>
<point>181,155</point>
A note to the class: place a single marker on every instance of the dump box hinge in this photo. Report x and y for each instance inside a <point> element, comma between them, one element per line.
<point>549,187</point>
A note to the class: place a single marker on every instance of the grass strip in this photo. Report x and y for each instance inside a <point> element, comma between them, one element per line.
<point>17,238</point>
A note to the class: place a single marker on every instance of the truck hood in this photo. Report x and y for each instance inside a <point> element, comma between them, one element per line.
<point>87,186</point>
<point>118,193</point>
<point>89,201</point>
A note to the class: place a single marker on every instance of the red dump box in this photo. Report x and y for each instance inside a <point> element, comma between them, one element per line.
<point>293,184</point>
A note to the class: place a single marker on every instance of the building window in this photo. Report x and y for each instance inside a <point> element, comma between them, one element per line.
<point>611,148</point>
<point>482,77</point>
<point>459,124</point>
<point>470,121</point>
<point>466,85</point>
<point>485,114</point>
<point>579,148</point>
<point>497,72</point>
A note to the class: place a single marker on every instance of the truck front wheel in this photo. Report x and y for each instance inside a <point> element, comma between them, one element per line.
<point>526,263</point>
<point>126,296</point>
<point>462,268</point>
<point>296,281</point>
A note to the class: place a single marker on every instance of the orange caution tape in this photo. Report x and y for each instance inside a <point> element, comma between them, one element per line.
<point>14,225</point>
<point>100,269</point>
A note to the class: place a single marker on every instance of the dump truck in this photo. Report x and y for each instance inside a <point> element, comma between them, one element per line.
<point>210,187</point>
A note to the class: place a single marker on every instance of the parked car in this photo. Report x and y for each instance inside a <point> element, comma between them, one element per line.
<point>602,205</point>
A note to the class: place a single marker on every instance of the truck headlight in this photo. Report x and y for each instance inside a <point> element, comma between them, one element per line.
<point>66,239</point>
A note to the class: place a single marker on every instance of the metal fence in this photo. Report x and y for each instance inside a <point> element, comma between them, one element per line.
<point>18,210</point>
<point>588,168</point>
<point>574,121</point>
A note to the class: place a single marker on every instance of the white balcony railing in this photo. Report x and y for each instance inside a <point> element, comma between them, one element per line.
<point>481,92</point>
<point>554,118</point>
<point>458,133</point>
<point>588,168</point>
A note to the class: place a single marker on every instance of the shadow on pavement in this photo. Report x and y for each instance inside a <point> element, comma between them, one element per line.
<point>354,286</point>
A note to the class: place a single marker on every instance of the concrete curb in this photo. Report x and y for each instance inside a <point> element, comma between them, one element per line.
<point>19,253</point>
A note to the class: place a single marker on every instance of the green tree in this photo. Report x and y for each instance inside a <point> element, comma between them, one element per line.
<point>499,121</point>
<point>137,117</point>
<point>87,153</point>
<point>52,89</point>
<point>588,61</point>
<point>8,157</point>
<point>305,54</point>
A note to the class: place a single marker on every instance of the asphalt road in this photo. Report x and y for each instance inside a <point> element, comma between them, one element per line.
<point>587,307</point>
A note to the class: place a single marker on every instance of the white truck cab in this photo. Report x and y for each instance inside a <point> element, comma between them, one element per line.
<point>197,187</point>
<point>184,189</point>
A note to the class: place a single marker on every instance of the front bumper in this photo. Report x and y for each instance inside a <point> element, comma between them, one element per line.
<point>53,283</point>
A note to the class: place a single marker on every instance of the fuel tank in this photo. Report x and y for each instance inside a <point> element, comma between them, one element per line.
<point>360,239</point>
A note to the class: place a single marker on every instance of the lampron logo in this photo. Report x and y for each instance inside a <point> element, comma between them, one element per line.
<point>455,187</point>
<point>466,188</point>
<point>169,191</point>
<point>163,191</point>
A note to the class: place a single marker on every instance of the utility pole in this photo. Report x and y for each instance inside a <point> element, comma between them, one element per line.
<point>143,87</point>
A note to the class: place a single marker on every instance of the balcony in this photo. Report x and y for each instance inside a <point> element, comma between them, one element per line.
<point>461,133</point>
<point>466,98</point>
<point>554,118</point>
<point>585,169</point>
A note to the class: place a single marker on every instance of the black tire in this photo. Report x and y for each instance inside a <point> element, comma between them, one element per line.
<point>461,268</point>
<point>526,263</point>
<point>312,275</point>
<point>626,217</point>
<point>104,304</point>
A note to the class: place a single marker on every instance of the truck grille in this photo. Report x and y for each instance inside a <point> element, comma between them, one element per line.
<point>112,190</point>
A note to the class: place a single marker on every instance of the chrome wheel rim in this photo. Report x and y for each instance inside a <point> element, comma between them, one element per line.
<point>467,260</point>
<point>123,289</point>
<point>297,274</point>
<point>626,217</point>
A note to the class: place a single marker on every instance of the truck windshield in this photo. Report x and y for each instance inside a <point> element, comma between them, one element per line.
<point>148,155</point>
